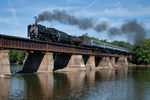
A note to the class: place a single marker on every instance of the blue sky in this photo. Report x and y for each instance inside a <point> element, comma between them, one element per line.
<point>16,15</point>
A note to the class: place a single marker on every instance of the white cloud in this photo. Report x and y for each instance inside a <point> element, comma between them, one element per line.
<point>147,25</point>
<point>4,20</point>
<point>9,21</point>
<point>104,19</point>
<point>13,12</point>
<point>57,7</point>
<point>127,12</point>
<point>92,3</point>
<point>121,12</point>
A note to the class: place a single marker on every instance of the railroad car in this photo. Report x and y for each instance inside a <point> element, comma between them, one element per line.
<point>108,46</point>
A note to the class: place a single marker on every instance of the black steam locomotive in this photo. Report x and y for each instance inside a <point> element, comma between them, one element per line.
<point>40,32</point>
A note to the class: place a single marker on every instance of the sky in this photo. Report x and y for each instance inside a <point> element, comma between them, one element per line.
<point>16,15</point>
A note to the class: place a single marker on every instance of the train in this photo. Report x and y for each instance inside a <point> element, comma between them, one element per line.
<point>43,33</point>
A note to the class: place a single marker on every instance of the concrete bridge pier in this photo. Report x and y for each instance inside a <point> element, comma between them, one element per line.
<point>121,62</point>
<point>76,62</point>
<point>4,63</point>
<point>90,64</point>
<point>105,62</point>
<point>38,62</point>
<point>113,61</point>
<point>72,62</point>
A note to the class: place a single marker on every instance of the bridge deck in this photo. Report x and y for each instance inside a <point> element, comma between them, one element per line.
<point>12,42</point>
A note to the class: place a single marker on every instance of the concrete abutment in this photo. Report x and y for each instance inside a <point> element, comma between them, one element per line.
<point>4,63</point>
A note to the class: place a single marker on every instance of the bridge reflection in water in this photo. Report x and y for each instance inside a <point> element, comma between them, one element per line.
<point>79,85</point>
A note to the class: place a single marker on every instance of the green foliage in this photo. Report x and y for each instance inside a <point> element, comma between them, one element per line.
<point>13,56</point>
<point>93,38</point>
<point>16,56</point>
<point>123,44</point>
<point>141,52</point>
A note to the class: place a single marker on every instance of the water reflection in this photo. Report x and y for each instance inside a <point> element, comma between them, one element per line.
<point>76,79</point>
<point>38,86</point>
<point>121,72</point>
<point>90,77</point>
<point>105,75</point>
<point>4,88</point>
<point>31,87</point>
<point>16,91</point>
<point>113,84</point>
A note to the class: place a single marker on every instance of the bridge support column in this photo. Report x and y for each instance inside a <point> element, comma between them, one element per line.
<point>90,63</point>
<point>38,62</point>
<point>65,62</point>
<point>4,63</point>
<point>122,61</point>
<point>126,61</point>
<point>113,61</point>
<point>76,62</point>
<point>105,63</point>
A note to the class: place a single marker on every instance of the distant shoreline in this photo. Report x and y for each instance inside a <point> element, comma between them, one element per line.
<point>134,65</point>
<point>15,64</point>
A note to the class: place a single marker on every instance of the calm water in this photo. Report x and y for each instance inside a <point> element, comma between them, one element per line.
<point>114,84</point>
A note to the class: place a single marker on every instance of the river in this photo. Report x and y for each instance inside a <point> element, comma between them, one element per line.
<point>113,84</point>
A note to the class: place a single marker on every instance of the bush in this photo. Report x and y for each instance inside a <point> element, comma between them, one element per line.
<point>17,56</point>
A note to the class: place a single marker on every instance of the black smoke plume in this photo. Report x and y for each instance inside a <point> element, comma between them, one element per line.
<point>101,26</point>
<point>114,31</point>
<point>67,19</point>
<point>132,29</point>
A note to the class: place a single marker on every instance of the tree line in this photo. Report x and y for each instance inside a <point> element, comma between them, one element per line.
<point>140,51</point>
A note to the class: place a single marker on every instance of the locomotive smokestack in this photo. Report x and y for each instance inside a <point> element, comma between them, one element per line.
<point>35,19</point>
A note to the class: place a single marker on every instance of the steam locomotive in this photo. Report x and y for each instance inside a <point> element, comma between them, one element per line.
<point>40,32</point>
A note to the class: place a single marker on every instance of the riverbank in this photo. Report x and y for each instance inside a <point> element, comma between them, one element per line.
<point>134,65</point>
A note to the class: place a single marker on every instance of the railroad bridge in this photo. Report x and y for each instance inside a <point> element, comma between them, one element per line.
<point>49,56</point>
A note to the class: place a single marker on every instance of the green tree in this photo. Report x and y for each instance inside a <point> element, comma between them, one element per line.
<point>17,56</point>
<point>13,56</point>
<point>20,57</point>
<point>141,52</point>
<point>123,44</point>
<point>93,38</point>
